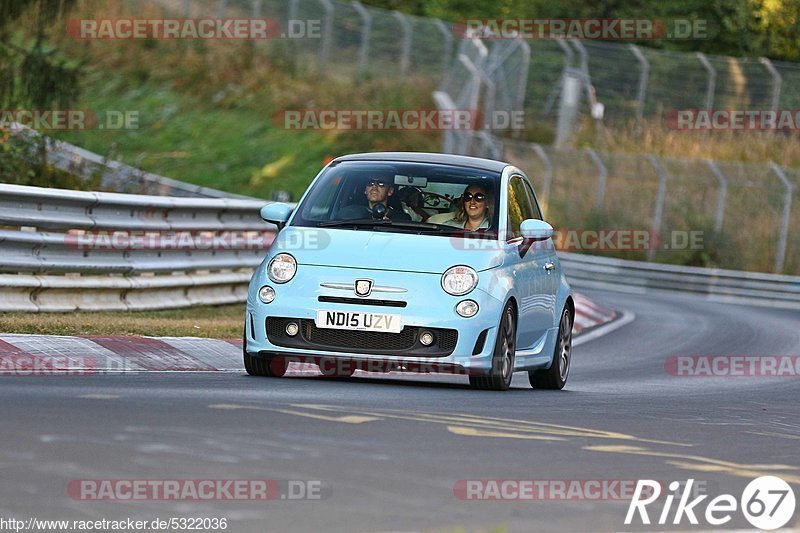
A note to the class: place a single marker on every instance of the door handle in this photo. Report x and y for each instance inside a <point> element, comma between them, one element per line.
<point>549,266</point>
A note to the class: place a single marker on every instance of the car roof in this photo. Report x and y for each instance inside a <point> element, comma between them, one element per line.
<point>426,157</point>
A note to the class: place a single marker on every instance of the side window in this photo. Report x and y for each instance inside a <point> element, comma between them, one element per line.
<point>519,206</point>
<point>534,205</point>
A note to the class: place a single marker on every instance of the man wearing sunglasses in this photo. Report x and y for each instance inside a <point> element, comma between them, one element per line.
<point>378,191</point>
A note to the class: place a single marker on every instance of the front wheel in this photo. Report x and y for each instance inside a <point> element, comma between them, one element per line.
<point>273,367</point>
<point>555,377</point>
<point>499,377</point>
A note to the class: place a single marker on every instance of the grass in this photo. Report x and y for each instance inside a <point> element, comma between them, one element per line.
<point>206,108</point>
<point>207,321</point>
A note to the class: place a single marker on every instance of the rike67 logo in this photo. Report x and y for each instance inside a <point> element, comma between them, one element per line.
<point>767,502</point>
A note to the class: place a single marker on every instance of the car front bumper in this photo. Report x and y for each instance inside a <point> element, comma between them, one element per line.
<point>461,344</point>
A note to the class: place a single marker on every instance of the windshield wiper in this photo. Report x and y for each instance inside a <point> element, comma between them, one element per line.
<point>382,222</point>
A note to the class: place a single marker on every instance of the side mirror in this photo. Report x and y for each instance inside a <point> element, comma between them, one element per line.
<point>277,213</point>
<point>536,230</point>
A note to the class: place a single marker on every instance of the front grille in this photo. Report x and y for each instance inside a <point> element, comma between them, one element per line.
<point>359,340</point>
<point>361,301</point>
<point>369,342</point>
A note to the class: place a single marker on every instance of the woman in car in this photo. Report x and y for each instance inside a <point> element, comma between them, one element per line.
<point>475,211</point>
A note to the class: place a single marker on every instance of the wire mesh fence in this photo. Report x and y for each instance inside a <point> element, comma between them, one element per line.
<point>748,212</point>
<point>743,212</point>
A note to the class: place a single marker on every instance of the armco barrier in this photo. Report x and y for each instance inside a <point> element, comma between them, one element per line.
<point>42,270</point>
<point>39,240</point>
<point>754,288</point>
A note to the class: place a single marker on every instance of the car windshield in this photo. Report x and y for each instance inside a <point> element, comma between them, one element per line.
<point>403,197</point>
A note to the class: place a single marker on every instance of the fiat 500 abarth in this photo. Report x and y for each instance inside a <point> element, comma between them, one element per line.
<point>413,261</point>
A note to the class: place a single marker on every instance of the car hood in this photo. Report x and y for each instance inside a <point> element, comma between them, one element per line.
<point>379,250</point>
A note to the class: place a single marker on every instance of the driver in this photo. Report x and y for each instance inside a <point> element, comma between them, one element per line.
<point>378,191</point>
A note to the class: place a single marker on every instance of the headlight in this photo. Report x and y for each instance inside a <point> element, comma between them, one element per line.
<point>266,294</point>
<point>282,268</point>
<point>467,308</point>
<point>459,280</point>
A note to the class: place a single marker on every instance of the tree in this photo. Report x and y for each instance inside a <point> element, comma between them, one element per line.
<point>33,74</point>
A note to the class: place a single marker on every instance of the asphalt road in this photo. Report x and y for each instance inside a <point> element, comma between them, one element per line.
<point>390,451</point>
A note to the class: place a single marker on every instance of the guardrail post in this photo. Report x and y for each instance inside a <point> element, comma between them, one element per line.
<point>405,51</point>
<point>723,192</point>
<point>712,79</point>
<point>658,213</point>
<point>602,175</point>
<point>777,81</point>
<point>547,178</point>
<point>780,254</point>
<point>366,29</point>
<point>643,77</point>
<point>327,35</point>
<point>448,43</point>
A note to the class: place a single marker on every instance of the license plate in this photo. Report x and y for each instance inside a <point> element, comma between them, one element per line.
<point>359,321</point>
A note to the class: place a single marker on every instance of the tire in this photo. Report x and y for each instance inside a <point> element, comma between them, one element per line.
<point>273,367</point>
<point>499,377</point>
<point>556,376</point>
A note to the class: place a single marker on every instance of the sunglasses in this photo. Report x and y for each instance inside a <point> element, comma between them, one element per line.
<point>376,183</point>
<point>479,197</point>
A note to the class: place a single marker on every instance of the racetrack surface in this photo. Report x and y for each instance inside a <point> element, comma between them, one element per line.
<point>390,451</point>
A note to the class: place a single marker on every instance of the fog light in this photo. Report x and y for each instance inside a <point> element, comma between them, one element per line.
<point>266,294</point>
<point>292,329</point>
<point>426,338</point>
<point>467,308</point>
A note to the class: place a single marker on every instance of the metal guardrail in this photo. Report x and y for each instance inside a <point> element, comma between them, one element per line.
<point>46,271</point>
<point>731,286</point>
<point>42,237</point>
<point>114,175</point>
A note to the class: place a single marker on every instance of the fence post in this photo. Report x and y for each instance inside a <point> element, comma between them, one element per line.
<point>569,56</point>
<point>712,79</point>
<point>366,29</point>
<point>780,254</point>
<point>448,43</point>
<point>327,34</point>
<point>602,175</point>
<point>405,52</point>
<point>568,106</point>
<point>292,15</point>
<point>547,179</point>
<point>658,213</point>
<point>643,77</point>
<point>723,193</point>
<point>777,81</point>
<point>186,9</point>
<point>256,9</point>
<point>221,8</point>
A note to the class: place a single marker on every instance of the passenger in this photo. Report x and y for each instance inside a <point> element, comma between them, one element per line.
<point>412,201</point>
<point>476,210</point>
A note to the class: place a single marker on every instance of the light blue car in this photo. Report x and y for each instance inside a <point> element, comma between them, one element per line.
<point>413,261</point>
